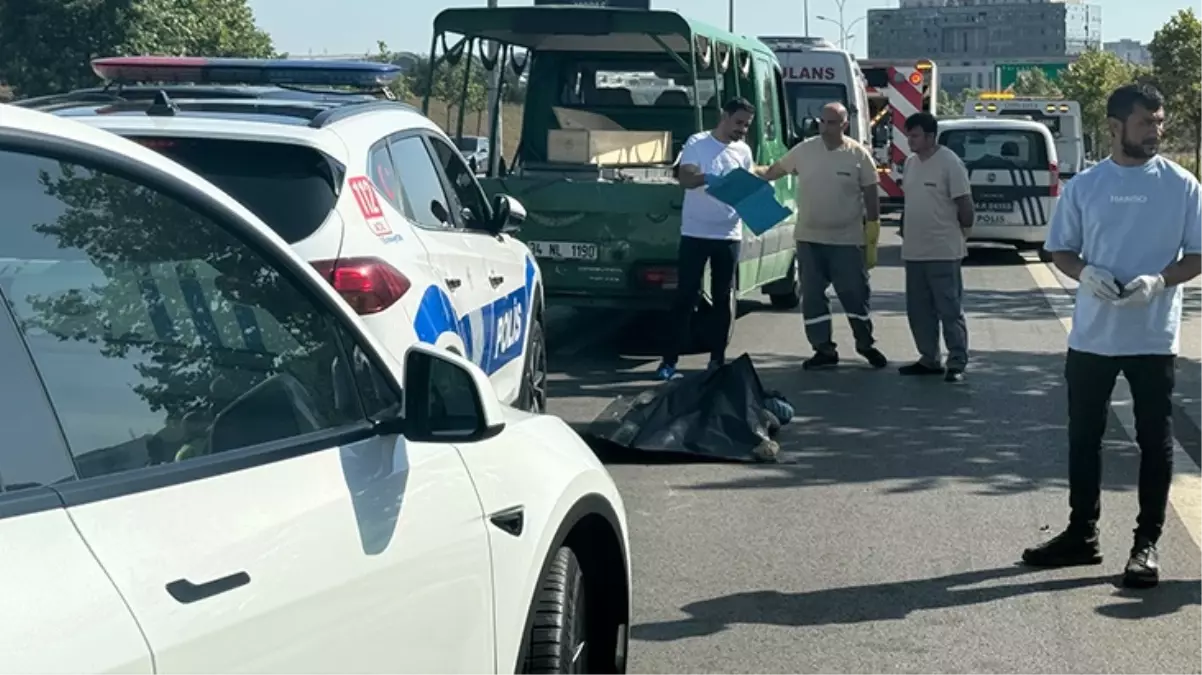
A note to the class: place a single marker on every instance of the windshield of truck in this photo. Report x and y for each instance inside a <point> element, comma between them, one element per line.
<point>998,148</point>
<point>467,143</point>
<point>807,99</point>
<point>1052,122</point>
<point>644,83</point>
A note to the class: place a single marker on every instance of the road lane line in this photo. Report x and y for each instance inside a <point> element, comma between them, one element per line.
<point>1185,495</point>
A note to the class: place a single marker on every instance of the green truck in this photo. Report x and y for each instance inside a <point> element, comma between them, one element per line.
<point>611,97</point>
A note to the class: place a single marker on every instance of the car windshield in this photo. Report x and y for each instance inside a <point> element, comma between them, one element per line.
<point>998,148</point>
<point>290,187</point>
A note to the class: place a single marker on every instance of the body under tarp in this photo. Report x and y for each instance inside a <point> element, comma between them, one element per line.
<point>718,414</point>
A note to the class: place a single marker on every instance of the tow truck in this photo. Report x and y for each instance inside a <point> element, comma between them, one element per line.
<point>1062,117</point>
<point>896,89</point>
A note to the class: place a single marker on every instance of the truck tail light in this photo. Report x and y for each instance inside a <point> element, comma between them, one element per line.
<point>658,277</point>
<point>1054,188</point>
<point>369,285</point>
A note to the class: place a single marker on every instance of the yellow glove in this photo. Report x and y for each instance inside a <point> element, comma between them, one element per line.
<point>872,236</point>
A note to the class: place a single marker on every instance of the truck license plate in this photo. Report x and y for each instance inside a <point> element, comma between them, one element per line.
<point>563,250</point>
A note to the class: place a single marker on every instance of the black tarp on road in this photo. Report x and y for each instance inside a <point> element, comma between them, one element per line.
<point>719,414</point>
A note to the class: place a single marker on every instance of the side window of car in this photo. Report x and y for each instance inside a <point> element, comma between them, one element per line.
<point>462,180</point>
<point>418,177</point>
<point>380,170</point>
<point>159,335</point>
<point>766,106</point>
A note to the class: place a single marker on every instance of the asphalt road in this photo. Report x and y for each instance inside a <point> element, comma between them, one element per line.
<point>886,539</point>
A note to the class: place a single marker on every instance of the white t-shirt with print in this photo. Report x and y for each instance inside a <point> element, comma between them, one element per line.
<point>702,216</point>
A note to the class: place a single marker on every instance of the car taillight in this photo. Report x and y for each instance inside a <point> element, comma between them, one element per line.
<point>658,277</point>
<point>1054,188</point>
<point>368,285</point>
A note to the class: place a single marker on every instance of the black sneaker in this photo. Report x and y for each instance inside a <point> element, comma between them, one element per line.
<point>1065,550</point>
<point>875,358</point>
<point>954,375</point>
<point>821,360</point>
<point>920,368</point>
<point>1143,567</point>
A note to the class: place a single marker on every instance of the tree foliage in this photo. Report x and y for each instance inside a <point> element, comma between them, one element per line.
<point>46,45</point>
<point>1089,81</point>
<point>1176,63</point>
<point>1036,83</point>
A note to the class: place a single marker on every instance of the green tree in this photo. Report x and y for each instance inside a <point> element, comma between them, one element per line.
<point>46,45</point>
<point>400,86</point>
<point>1036,83</point>
<point>1176,62</point>
<point>1089,81</point>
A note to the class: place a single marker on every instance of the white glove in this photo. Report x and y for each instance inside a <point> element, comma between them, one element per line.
<point>1101,283</point>
<point>1141,290</point>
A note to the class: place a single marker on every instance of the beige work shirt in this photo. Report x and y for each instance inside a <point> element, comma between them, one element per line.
<point>931,229</point>
<point>830,184</point>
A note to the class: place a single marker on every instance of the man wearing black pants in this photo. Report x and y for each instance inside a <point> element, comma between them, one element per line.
<point>710,231</point>
<point>1130,230</point>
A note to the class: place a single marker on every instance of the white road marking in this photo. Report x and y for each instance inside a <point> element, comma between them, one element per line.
<point>1186,492</point>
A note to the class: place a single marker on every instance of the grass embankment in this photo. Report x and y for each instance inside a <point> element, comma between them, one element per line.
<point>447,117</point>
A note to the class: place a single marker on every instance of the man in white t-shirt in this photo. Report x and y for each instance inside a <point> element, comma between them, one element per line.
<point>1129,229</point>
<point>710,231</point>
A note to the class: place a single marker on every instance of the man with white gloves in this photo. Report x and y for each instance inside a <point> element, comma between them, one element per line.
<point>1130,230</point>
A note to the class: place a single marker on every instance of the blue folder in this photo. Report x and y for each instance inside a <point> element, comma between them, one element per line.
<point>751,196</point>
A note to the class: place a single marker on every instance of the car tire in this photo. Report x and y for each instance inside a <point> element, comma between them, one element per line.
<point>532,396</point>
<point>557,640</point>
<point>791,298</point>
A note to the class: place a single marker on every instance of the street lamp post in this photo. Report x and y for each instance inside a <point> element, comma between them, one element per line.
<point>844,28</point>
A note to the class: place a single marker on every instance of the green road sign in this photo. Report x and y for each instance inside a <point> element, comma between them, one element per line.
<point>1007,73</point>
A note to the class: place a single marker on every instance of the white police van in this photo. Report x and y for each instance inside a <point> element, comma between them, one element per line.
<point>1015,177</point>
<point>368,190</point>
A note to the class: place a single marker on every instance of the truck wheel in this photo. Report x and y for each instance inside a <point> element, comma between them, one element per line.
<point>789,298</point>
<point>557,641</point>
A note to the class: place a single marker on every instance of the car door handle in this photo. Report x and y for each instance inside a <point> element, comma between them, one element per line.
<point>453,282</point>
<point>511,520</point>
<point>186,592</point>
<point>496,280</point>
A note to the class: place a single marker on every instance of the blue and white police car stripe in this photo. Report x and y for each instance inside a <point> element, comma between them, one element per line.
<point>494,334</point>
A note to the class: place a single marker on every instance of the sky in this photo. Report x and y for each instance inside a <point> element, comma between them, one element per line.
<point>354,26</point>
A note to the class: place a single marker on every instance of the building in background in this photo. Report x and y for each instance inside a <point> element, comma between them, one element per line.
<point>1131,51</point>
<point>969,39</point>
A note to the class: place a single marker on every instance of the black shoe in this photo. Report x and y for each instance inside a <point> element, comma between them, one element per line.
<point>821,360</point>
<point>920,368</point>
<point>954,375</point>
<point>875,358</point>
<point>1065,550</point>
<point>1143,567</point>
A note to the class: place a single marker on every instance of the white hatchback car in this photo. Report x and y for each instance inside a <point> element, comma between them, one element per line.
<point>369,191</point>
<point>209,465</point>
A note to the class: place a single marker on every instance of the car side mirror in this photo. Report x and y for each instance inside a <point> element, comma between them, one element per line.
<point>508,213</point>
<point>448,398</point>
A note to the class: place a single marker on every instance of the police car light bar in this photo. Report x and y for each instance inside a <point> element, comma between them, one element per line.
<point>202,70</point>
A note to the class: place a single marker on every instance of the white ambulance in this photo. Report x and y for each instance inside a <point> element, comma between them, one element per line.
<point>815,73</point>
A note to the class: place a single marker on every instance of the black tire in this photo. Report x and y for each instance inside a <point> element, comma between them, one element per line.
<point>791,298</point>
<point>533,394</point>
<point>557,640</point>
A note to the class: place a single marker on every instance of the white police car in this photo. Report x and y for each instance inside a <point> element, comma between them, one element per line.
<point>210,465</point>
<point>369,191</point>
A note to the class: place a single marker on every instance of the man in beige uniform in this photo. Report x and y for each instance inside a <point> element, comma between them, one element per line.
<point>836,243</point>
<point>935,225</point>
